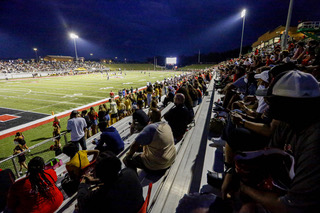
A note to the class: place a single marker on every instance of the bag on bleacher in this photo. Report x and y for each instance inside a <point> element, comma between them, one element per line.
<point>270,169</point>
<point>216,126</point>
<point>53,163</point>
<point>69,186</point>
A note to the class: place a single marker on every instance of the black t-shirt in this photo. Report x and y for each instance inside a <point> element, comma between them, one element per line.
<point>304,145</point>
<point>125,195</point>
<point>178,118</point>
<point>141,117</point>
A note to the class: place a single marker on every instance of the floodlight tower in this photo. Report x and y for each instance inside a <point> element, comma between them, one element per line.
<point>35,50</point>
<point>74,37</point>
<point>286,32</point>
<point>243,16</point>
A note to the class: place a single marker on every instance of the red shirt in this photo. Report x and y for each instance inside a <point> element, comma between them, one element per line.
<point>21,198</point>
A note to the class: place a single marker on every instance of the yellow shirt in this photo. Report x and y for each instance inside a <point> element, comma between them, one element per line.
<point>73,166</point>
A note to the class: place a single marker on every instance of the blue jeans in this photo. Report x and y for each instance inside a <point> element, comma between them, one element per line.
<point>82,143</point>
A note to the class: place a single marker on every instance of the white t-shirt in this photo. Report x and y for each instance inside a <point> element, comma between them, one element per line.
<point>76,125</point>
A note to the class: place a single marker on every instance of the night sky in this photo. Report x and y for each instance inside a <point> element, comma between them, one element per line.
<point>137,29</point>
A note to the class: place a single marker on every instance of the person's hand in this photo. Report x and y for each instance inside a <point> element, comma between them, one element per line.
<point>87,178</point>
<point>226,186</point>
<point>236,118</point>
<point>126,158</point>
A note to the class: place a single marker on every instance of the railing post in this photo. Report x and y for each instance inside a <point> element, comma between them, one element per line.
<point>65,139</point>
<point>15,167</point>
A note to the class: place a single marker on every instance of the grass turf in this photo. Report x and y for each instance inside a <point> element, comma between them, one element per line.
<point>62,93</point>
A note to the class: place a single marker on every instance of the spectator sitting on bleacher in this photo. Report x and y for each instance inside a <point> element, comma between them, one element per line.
<point>36,192</point>
<point>178,117</point>
<point>169,97</point>
<point>77,158</point>
<point>294,99</point>
<point>120,190</point>
<point>139,119</point>
<point>159,151</point>
<point>111,138</point>
<point>263,81</point>
<point>77,126</point>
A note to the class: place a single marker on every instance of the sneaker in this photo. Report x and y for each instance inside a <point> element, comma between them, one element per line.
<point>217,143</point>
<point>20,173</point>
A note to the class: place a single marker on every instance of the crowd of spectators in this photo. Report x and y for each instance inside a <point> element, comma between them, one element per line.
<point>271,101</point>
<point>14,66</point>
<point>110,187</point>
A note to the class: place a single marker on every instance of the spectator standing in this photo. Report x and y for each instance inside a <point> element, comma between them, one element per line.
<point>77,126</point>
<point>88,122</point>
<point>93,115</point>
<point>20,147</point>
<point>149,94</point>
<point>113,111</point>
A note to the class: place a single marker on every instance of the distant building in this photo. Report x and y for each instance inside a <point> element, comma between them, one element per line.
<point>271,38</point>
<point>58,58</point>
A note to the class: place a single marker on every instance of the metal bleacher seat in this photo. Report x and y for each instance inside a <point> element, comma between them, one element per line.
<point>185,175</point>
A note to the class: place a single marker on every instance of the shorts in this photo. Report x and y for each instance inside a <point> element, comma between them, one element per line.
<point>115,115</point>
<point>21,158</point>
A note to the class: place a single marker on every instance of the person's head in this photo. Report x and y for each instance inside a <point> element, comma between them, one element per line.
<point>107,167</point>
<point>70,149</point>
<point>102,125</point>
<point>179,99</point>
<point>294,97</point>
<point>139,105</point>
<point>263,78</point>
<point>276,70</point>
<point>285,53</point>
<point>92,110</point>
<point>39,182</point>
<point>155,115</point>
<point>101,108</point>
<point>84,113</point>
<point>74,114</point>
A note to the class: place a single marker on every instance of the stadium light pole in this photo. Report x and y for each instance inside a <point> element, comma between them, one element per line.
<point>74,37</point>
<point>243,16</point>
<point>35,50</point>
<point>285,36</point>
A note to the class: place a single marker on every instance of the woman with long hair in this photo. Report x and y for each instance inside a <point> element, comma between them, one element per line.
<point>36,192</point>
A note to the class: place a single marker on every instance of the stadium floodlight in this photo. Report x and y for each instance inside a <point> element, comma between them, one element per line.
<point>243,13</point>
<point>243,16</point>
<point>74,37</point>
<point>35,50</point>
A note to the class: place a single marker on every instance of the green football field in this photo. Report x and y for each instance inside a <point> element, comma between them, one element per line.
<point>61,93</point>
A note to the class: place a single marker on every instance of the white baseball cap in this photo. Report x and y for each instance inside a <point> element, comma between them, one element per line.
<point>263,76</point>
<point>297,84</point>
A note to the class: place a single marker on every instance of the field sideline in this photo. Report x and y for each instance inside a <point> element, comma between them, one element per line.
<point>64,93</point>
